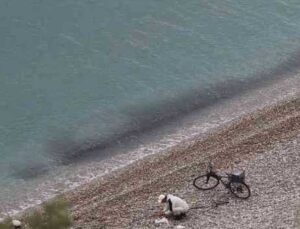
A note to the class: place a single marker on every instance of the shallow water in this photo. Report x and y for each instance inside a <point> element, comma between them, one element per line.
<point>78,77</point>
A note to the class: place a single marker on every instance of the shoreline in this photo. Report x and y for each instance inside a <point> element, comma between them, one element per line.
<point>282,90</point>
<point>118,200</point>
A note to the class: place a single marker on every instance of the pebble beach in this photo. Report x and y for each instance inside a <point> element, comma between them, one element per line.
<point>264,143</point>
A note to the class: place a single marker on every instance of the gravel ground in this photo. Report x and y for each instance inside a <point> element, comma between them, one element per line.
<point>265,144</point>
<point>275,184</point>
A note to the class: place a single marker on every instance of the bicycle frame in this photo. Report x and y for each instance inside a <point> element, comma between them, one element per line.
<point>235,182</point>
<point>220,177</point>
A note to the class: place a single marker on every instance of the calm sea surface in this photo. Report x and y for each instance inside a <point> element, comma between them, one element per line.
<point>78,77</point>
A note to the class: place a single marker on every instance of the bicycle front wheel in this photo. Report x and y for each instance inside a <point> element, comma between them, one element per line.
<point>205,182</point>
<point>240,190</point>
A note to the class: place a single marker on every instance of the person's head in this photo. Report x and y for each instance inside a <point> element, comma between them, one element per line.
<point>162,199</point>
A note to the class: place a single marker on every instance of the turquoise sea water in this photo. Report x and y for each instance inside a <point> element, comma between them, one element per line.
<point>80,76</point>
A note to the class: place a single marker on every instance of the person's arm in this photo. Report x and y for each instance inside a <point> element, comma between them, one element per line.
<point>169,208</point>
<point>170,205</point>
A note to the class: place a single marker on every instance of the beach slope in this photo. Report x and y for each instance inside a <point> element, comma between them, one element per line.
<point>265,143</point>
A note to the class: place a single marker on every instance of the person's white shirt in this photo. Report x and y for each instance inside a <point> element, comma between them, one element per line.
<point>16,223</point>
<point>173,205</point>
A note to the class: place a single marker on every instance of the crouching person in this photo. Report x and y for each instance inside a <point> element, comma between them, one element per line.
<point>17,224</point>
<point>173,206</point>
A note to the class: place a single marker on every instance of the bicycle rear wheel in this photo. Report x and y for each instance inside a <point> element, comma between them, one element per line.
<point>205,182</point>
<point>239,190</point>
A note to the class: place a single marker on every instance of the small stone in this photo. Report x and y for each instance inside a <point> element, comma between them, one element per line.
<point>179,227</point>
<point>163,220</point>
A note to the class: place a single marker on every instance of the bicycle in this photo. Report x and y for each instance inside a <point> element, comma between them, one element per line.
<point>235,182</point>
